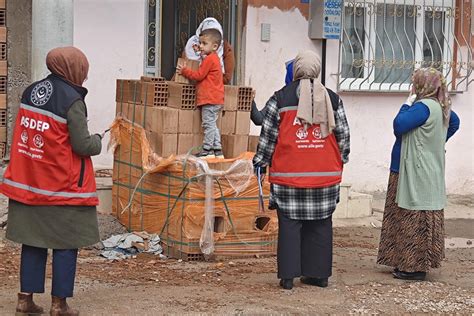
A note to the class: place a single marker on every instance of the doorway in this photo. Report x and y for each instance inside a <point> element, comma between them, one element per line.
<point>180,19</point>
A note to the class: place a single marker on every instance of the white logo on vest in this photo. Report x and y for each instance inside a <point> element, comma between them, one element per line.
<point>301,133</point>
<point>24,136</point>
<point>38,141</point>
<point>317,132</point>
<point>42,93</point>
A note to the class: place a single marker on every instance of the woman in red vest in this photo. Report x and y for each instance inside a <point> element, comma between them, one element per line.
<point>305,142</point>
<point>50,180</point>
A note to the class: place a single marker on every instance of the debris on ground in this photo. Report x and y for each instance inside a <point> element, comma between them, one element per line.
<point>128,245</point>
<point>457,242</point>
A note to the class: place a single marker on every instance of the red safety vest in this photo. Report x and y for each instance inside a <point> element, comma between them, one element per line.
<point>303,159</point>
<point>43,169</point>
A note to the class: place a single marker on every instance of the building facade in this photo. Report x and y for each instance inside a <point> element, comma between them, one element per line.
<point>369,64</point>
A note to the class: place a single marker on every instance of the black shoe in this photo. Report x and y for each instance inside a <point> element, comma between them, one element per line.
<point>419,276</point>
<point>287,284</point>
<point>321,282</point>
<point>205,154</point>
<point>218,153</point>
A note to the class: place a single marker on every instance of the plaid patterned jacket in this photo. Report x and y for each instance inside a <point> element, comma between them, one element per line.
<point>301,203</point>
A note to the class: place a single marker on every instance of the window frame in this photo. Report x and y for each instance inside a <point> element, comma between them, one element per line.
<point>367,82</point>
<point>155,70</point>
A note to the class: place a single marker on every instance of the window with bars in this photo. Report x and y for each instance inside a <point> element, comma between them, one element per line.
<point>152,40</point>
<point>384,41</point>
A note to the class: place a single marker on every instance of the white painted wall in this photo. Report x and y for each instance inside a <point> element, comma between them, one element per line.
<point>265,61</point>
<point>111,34</point>
<point>370,115</point>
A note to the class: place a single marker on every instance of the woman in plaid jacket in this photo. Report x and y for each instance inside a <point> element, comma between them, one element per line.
<point>306,199</point>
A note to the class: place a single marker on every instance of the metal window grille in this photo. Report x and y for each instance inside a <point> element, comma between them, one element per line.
<point>382,42</point>
<point>152,38</point>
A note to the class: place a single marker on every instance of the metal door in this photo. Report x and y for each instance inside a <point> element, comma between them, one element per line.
<point>190,13</point>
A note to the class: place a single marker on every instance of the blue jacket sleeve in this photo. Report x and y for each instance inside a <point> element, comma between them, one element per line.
<point>454,123</point>
<point>410,117</point>
<point>289,73</point>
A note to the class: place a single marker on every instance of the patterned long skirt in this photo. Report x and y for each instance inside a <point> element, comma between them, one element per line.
<point>410,240</point>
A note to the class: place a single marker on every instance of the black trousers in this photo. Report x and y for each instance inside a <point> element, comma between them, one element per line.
<point>33,269</point>
<point>304,248</point>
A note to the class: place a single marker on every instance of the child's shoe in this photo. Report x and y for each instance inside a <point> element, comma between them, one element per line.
<point>206,154</point>
<point>218,153</point>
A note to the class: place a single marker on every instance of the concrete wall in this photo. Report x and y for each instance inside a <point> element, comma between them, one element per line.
<point>111,34</point>
<point>19,54</point>
<point>52,26</point>
<point>370,115</point>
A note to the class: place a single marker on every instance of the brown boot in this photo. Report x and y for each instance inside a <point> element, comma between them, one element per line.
<point>59,307</point>
<point>26,306</point>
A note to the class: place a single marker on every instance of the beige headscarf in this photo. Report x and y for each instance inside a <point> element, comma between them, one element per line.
<point>69,63</point>
<point>429,83</point>
<point>314,106</point>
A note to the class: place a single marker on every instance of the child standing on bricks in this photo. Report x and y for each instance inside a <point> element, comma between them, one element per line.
<point>209,91</point>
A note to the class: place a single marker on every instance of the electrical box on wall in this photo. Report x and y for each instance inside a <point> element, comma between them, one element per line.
<point>325,19</point>
<point>265,30</point>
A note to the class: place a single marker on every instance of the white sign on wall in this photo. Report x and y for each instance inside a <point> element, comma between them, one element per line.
<point>325,19</point>
<point>332,19</point>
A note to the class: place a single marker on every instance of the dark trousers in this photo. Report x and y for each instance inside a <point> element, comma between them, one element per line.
<point>304,248</point>
<point>33,269</point>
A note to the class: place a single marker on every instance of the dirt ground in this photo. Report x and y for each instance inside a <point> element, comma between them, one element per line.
<point>147,285</point>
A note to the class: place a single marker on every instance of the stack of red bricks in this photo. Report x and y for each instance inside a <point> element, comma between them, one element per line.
<point>234,121</point>
<point>3,79</point>
<point>168,113</point>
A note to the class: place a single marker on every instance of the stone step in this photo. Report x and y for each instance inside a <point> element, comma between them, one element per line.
<point>104,191</point>
<point>353,204</point>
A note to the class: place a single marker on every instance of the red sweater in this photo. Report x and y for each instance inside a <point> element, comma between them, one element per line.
<point>210,85</point>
